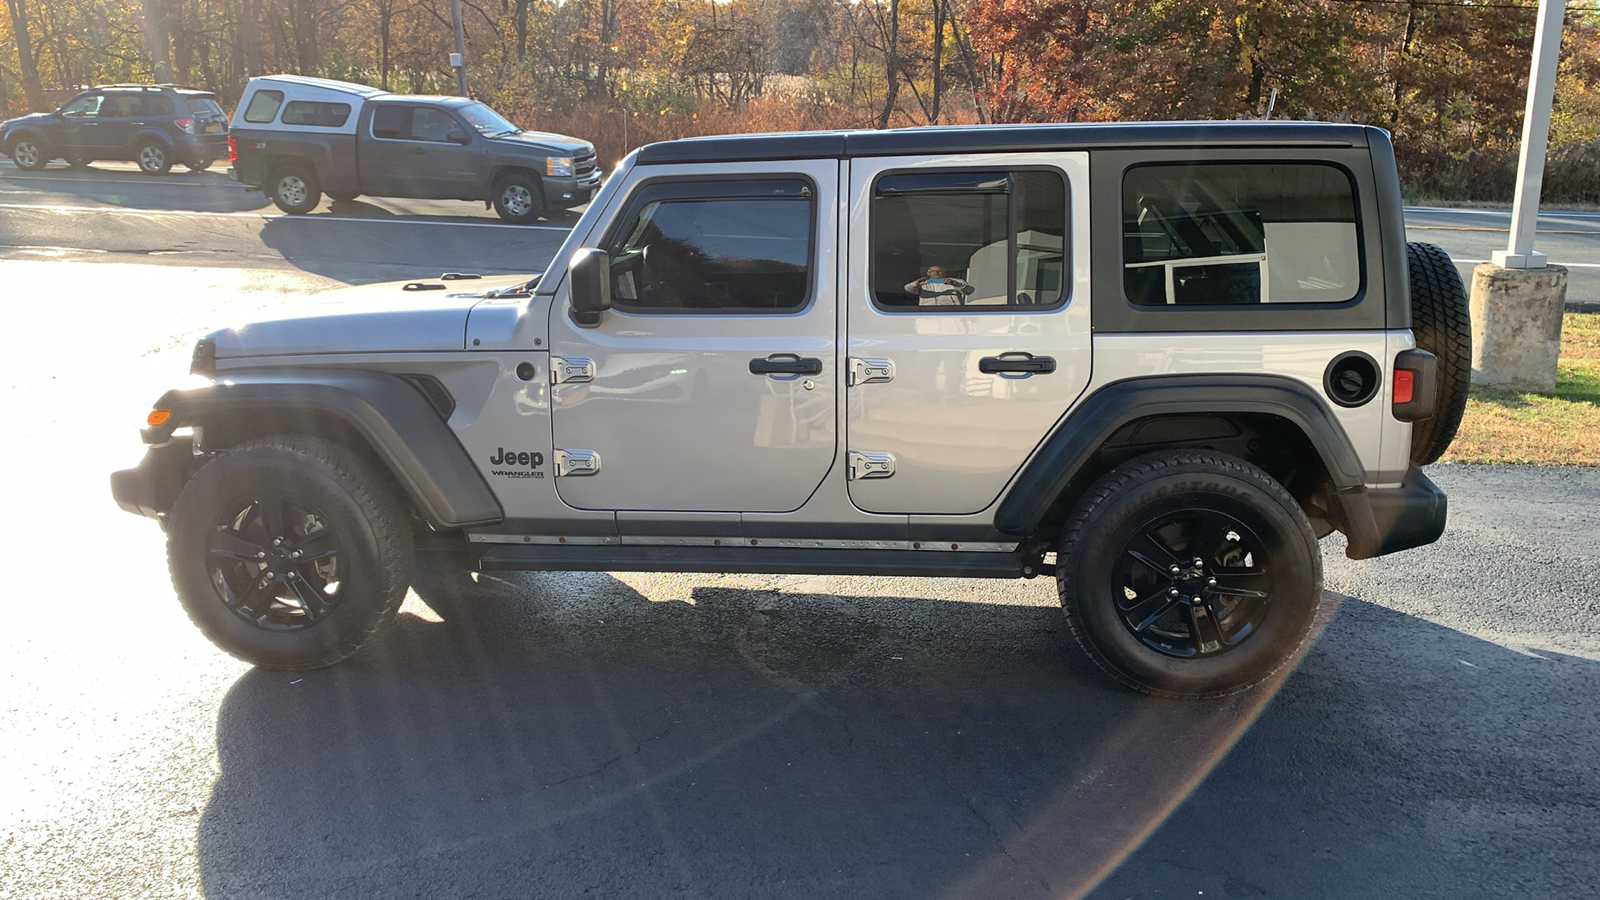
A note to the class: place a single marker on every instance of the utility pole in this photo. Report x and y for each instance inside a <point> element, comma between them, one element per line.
<point>458,59</point>
<point>1519,252</point>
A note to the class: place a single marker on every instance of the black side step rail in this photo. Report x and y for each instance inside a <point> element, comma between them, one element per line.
<point>750,560</point>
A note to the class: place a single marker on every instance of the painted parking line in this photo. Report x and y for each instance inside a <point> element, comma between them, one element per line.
<point>39,207</point>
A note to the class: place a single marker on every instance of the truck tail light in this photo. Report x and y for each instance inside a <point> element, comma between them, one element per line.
<point>186,124</point>
<point>233,149</point>
<point>1413,386</point>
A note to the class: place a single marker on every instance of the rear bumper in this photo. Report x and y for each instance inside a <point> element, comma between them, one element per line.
<point>196,147</point>
<point>1380,522</point>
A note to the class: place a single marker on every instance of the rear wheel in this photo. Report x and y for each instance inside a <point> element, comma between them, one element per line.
<point>153,158</point>
<point>518,199</point>
<point>1443,327</point>
<point>289,552</point>
<point>295,190</point>
<point>27,154</point>
<point>1189,574</point>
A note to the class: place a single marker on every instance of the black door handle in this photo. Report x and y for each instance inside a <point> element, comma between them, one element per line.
<point>786,364</point>
<point>1017,363</point>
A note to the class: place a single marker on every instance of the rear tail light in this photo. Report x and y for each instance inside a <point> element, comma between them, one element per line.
<point>233,149</point>
<point>186,124</point>
<point>1414,374</point>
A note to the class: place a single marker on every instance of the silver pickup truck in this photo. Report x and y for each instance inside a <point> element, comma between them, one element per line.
<point>1179,354</point>
<point>297,138</point>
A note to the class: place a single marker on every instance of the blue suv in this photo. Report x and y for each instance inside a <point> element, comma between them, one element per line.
<point>155,126</point>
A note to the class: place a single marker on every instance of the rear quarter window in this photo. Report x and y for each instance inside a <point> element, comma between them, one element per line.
<point>205,106</point>
<point>263,106</point>
<point>318,115</point>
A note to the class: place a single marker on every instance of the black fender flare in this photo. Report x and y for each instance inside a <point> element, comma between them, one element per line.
<point>404,429</point>
<point>1081,434</point>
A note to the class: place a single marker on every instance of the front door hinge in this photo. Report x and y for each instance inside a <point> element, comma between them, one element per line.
<point>870,369</point>
<point>870,464</point>
<point>577,462</point>
<point>567,369</point>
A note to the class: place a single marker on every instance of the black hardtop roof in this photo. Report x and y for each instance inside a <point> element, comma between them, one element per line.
<point>1000,139</point>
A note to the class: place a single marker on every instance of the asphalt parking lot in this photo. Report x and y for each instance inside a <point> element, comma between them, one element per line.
<point>620,735</point>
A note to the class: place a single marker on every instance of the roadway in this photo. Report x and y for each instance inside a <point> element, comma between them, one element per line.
<point>736,737</point>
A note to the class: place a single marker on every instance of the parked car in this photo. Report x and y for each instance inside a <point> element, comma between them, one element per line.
<point>155,126</point>
<point>297,138</point>
<point>1190,350</point>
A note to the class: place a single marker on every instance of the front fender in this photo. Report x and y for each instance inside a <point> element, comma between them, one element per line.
<point>404,429</point>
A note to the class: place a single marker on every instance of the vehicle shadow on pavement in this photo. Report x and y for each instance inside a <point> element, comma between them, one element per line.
<point>123,188</point>
<point>559,735</point>
<point>353,251</point>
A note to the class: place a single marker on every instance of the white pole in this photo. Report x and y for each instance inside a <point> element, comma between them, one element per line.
<point>1519,252</point>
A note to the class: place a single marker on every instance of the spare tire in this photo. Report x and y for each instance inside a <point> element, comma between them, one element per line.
<point>1442,326</point>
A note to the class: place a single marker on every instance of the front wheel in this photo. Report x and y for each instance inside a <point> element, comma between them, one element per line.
<point>153,158</point>
<point>289,552</point>
<point>295,190</point>
<point>518,199</point>
<point>27,154</point>
<point>1189,574</point>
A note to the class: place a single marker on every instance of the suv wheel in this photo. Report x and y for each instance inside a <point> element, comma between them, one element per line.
<point>518,199</point>
<point>199,165</point>
<point>295,190</point>
<point>1189,574</point>
<point>27,154</point>
<point>153,158</point>
<point>1440,321</point>
<point>289,552</point>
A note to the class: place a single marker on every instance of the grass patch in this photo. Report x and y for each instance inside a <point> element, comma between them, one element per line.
<point>1563,429</point>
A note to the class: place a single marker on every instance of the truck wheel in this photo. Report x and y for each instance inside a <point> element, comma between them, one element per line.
<point>153,158</point>
<point>1440,321</point>
<point>1189,573</point>
<point>518,199</point>
<point>295,190</point>
<point>27,154</point>
<point>289,552</point>
<point>199,165</point>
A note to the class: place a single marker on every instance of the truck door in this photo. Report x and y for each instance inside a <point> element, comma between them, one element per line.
<point>710,383</point>
<point>409,154</point>
<point>967,322</point>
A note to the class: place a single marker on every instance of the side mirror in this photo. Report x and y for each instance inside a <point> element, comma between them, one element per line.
<point>457,136</point>
<point>589,286</point>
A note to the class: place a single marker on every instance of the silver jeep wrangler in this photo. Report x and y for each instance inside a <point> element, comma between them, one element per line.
<point>1157,361</point>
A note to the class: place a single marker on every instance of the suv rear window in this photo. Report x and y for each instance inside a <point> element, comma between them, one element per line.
<point>1239,233</point>
<point>320,115</point>
<point>205,107</point>
<point>263,106</point>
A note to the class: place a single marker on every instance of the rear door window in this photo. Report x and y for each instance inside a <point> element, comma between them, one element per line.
<point>1239,234</point>
<point>263,106</point>
<point>392,122</point>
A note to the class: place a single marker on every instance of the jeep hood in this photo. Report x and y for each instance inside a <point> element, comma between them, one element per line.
<point>376,318</point>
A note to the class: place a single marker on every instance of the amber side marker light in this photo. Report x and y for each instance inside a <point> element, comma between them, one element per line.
<point>157,417</point>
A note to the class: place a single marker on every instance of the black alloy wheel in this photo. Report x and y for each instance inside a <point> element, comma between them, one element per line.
<point>1194,583</point>
<point>1189,573</point>
<point>276,561</point>
<point>289,551</point>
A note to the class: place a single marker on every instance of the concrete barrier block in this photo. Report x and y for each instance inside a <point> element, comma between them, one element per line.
<point>1516,327</point>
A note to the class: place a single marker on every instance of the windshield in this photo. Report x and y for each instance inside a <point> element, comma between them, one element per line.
<point>486,120</point>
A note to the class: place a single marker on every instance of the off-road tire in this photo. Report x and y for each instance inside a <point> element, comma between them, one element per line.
<point>29,154</point>
<point>368,526</point>
<point>1130,501</point>
<point>518,199</point>
<point>153,158</point>
<point>294,188</point>
<point>1443,327</point>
